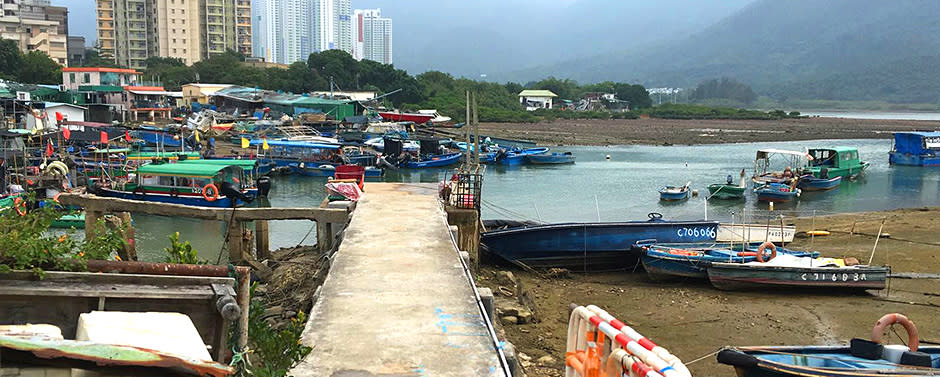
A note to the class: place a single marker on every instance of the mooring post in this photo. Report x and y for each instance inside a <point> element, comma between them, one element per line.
<point>234,240</point>
<point>262,243</point>
<point>91,222</point>
<point>130,248</point>
<point>324,236</point>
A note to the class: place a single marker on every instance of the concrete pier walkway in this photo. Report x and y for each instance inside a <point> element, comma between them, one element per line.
<point>397,300</point>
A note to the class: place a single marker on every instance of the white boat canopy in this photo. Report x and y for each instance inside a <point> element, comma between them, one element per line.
<point>765,153</point>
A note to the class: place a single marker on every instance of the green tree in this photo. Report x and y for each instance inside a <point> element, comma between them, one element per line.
<point>637,95</point>
<point>565,89</point>
<point>38,68</point>
<point>335,64</point>
<point>724,88</point>
<point>10,59</point>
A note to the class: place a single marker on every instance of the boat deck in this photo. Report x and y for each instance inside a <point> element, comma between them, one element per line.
<point>398,301</point>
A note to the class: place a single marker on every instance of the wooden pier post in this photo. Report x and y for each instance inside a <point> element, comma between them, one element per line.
<point>234,241</point>
<point>130,248</point>
<point>324,236</point>
<point>262,240</point>
<point>91,221</point>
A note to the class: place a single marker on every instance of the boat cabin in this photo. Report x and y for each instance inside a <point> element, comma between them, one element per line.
<point>916,148</point>
<point>837,162</point>
<point>185,177</point>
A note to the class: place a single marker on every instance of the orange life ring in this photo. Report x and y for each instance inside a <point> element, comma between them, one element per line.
<point>56,197</point>
<point>19,205</point>
<point>762,247</point>
<point>913,340</point>
<point>210,197</point>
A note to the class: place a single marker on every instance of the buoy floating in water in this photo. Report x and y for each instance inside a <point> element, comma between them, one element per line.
<point>608,157</point>
<point>817,233</point>
<point>694,192</point>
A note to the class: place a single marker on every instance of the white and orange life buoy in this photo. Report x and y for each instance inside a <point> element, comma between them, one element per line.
<point>764,246</point>
<point>210,192</point>
<point>913,340</point>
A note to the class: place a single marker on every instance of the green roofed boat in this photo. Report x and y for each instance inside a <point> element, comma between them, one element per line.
<point>835,162</point>
<point>191,184</point>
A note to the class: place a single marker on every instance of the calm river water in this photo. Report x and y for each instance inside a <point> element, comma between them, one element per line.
<point>621,188</point>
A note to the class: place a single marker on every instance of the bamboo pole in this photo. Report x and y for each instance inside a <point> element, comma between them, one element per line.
<point>872,257</point>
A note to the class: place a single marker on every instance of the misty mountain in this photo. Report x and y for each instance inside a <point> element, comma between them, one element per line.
<point>471,38</point>
<point>834,49</point>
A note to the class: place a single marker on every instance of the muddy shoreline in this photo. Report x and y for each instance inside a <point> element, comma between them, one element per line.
<point>677,131</point>
<point>693,320</point>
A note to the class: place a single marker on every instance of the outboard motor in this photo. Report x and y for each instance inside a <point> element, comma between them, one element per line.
<point>230,191</point>
<point>264,186</point>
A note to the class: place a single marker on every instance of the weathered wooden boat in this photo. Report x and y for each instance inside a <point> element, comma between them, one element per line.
<point>201,185</point>
<point>433,161</point>
<point>810,183</point>
<point>860,358</point>
<point>915,149</point>
<point>795,272</point>
<point>836,162</point>
<point>751,233</point>
<point>554,158</point>
<point>596,246</point>
<point>285,152</point>
<point>518,156</point>
<point>726,191</point>
<point>668,261</point>
<point>675,193</point>
<point>776,193</point>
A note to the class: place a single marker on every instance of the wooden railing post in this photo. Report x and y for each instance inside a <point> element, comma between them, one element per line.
<point>262,243</point>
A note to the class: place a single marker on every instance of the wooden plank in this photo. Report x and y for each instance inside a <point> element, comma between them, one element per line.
<point>130,279</point>
<point>100,204</point>
<point>191,292</point>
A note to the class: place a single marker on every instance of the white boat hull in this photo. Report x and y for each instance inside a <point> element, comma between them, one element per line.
<point>754,233</point>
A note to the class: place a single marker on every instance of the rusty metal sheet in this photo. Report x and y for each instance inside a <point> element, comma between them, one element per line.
<point>112,355</point>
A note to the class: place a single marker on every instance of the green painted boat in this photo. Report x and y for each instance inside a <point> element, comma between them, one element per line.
<point>735,276</point>
<point>725,191</point>
<point>836,162</point>
<point>69,221</point>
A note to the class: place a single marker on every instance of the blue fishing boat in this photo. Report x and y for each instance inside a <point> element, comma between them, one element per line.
<point>860,358</point>
<point>517,156</point>
<point>810,183</point>
<point>598,245</point>
<point>285,153</point>
<point>665,261</point>
<point>915,149</point>
<point>554,158</point>
<point>329,169</point>
<point>776,193</point>
<point>674,193</point>
<point>433,161</point>
<point>204,185</point>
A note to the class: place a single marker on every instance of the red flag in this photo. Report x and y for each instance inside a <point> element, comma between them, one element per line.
<point>127,136</point>
<point>104,137</point>
<point>58,116</point>
<point>49,150</point>
<point>66,133</point>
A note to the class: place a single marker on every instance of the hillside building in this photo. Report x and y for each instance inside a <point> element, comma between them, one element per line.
<point>36,26</point>
<point>536,99</point>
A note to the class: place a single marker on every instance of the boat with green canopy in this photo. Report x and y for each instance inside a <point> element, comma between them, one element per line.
<point>205,185</point>
<point>835,162</point>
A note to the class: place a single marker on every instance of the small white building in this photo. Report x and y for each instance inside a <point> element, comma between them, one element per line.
<point>536,99</point>
<point>47,116</point>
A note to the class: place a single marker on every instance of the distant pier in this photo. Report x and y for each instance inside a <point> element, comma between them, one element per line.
<point>399,300</point>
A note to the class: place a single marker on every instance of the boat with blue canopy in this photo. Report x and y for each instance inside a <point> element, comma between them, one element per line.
<point>517,156</point>
<point>432,161</point>
<point>591,245</point>
<point>915,149</point>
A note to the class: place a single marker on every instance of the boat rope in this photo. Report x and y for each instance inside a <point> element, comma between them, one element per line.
<point>703,357</point>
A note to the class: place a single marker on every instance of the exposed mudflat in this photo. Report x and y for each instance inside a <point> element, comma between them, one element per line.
<point>692,319</point>
<point>677,131</point>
